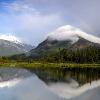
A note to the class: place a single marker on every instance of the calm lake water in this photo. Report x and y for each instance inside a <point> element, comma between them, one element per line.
<point>50,84</point>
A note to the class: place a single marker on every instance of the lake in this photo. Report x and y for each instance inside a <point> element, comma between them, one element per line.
<point>50,84</point>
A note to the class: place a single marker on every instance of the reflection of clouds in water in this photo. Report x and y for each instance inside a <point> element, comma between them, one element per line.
<point>72,92</point>
<point>32,88</point>
<point>93,94</point>
<point>64,90</point>
<point>28,89</point>
<point>9,83</point>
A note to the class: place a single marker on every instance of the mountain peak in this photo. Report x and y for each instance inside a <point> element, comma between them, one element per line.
<point>69,32</point>
<point>10,38</point>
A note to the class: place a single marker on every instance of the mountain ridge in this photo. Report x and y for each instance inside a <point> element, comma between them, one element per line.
<point>8,48</point>
<point>52,44</point>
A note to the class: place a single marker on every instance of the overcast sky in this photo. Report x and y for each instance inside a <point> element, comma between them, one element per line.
<point>31,20</point>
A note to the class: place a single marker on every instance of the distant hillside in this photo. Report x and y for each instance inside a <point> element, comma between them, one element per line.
<point>67,43</point>
<point>8,48</point>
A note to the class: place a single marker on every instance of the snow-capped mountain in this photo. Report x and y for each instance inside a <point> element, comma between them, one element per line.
<point>68,32</point>
<point>11,45</point>
<point>67,37</point>
<point>10,38</point>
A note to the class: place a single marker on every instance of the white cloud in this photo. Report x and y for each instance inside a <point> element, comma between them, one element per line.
<point>69,32</point>
<point>27,22</point>
<point>18,7</point>
<point>9,37</point>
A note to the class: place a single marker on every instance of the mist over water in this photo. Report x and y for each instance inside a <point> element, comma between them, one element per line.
<point>28,86</point>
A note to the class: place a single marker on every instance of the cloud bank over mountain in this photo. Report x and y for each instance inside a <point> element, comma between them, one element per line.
<point>11,38</point>
<point>31,20</point>
<point>69,32</point>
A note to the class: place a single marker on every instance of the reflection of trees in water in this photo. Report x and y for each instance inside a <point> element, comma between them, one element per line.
<point>82,75</point>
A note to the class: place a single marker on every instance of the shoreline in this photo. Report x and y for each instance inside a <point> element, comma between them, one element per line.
<point>48,65</point>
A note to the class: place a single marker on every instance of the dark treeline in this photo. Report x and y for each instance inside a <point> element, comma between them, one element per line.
<point>87,55</point>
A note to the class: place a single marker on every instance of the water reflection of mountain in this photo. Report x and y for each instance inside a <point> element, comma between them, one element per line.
<point>27,86</point>
<point>7,74</point>
<point>82,75</point>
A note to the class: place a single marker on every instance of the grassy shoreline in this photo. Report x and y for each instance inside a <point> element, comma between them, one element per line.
<point>48,65</point>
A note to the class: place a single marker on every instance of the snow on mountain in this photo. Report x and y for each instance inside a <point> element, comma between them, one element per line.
<point>11,38</point>
<point>11,45</point>
<point>69,32</point>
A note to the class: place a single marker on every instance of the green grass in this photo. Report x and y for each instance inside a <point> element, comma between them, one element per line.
<point>45,64</point>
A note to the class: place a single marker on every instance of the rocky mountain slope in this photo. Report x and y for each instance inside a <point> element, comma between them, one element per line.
<point>65,37</point>
<point>9,45</point>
